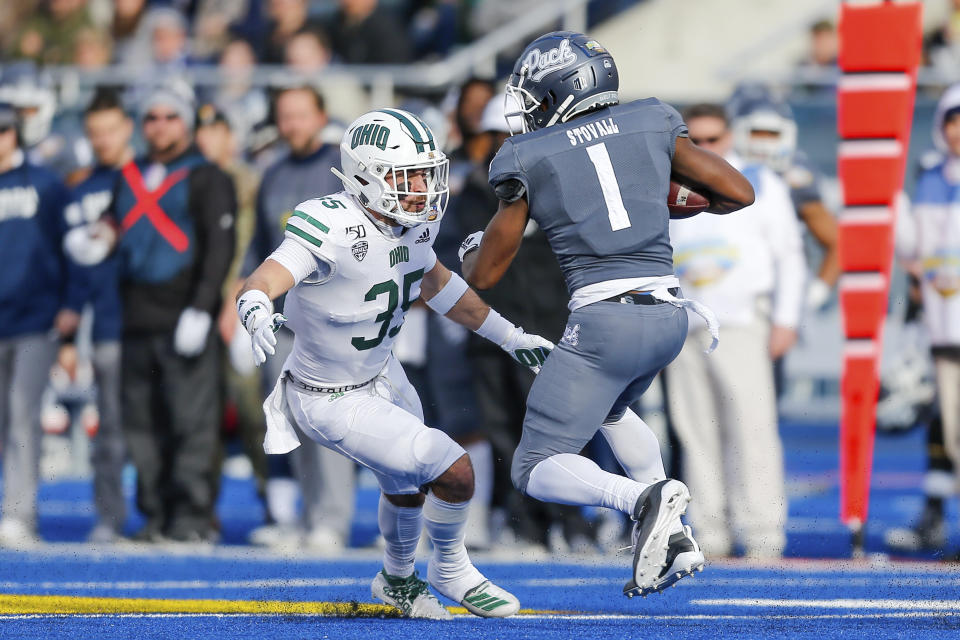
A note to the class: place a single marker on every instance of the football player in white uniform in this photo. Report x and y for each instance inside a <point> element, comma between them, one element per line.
<point>353,263</point>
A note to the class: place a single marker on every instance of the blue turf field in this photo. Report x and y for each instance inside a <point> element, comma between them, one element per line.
<point>797,598</point>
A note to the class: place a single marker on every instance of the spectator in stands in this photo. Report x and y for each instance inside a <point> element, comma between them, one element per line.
<point>307,51</point>
<point>941,48</point>
<point>49,35</point>
<point>109,131</point>
<point>470,149</point>
<point>211,25</point>
<point>247,105</point>
<point>131,33</point>
<point>241,379</point>
<point>13,14</point>
<point>286,18</point>
<point>177,211</point>
<point>92,49</point>
<point>818,69</point>
<point>326,478</point>
<point>363,33</point>
<point>41,294</point>
<point>824,45</point>
<point>748,267</point>
<point>168,38</point>
<point>434,27</point>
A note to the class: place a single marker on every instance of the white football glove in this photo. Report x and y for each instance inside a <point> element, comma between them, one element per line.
<point>190,336</point>
<point>471,242</point>
<point>818,293</point>
<point>528,349</point>
<point>89,244</point>
<point>256,314</point>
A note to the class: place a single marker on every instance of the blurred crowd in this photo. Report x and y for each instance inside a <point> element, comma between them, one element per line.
<point>144,353</point>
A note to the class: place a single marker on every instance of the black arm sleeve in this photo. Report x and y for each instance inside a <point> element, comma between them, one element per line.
<point>213,203</point>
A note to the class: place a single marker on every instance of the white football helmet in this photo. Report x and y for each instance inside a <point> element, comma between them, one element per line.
<point>396,145</point>
<point>775,150</point>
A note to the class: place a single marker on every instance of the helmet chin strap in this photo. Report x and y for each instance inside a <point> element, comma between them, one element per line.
<point>352,183</point>
<point>383,226</point>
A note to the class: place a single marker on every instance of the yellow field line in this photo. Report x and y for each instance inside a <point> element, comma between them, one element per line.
<point>21,604</point>
<point>13,604</point>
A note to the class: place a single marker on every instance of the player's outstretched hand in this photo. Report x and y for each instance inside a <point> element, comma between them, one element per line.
<point>528,349</point>
<point>257,316</point>
<point>264,338</point>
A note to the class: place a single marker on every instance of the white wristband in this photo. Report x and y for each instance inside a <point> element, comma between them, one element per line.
<point>449,295</point>
<point>250,303</point>
<point>496,328</point>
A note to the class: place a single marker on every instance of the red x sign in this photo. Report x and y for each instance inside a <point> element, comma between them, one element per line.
<point>148,204</point>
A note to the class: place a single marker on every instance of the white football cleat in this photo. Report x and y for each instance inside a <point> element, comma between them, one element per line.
<point>411,595</point>
<point>661,559</point>
<point>487,600</point>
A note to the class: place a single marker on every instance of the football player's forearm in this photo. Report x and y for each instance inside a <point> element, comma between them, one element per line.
<point>823,227</point>
<point>270,277</point>
<point>470,311</point>
<point>484,267</point>
<point>729,189</point>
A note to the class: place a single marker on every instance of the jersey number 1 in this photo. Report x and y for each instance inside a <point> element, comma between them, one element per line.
<point>616,212</point>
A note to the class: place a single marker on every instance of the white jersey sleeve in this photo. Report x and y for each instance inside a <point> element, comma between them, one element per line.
<point>309,225</point>
<point>302,264</point>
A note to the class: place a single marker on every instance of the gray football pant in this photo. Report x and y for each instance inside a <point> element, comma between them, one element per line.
<point>723,407</point>
<point>592,379</point>
<point>109,448</point>
<point>25,363</point>
<point>327,479</point>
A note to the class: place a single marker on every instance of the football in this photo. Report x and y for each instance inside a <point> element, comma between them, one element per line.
<point>684,202</point>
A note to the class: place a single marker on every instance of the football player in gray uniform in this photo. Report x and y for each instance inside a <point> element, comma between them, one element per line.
<point>594,174</point>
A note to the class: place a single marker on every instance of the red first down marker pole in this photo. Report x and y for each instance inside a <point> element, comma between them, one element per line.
<point>879,53</point>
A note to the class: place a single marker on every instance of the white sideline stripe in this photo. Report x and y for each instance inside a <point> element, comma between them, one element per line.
<point>518,618</point>
<point>192,584</point>
<point>842,603</point>
<point>700,581</point>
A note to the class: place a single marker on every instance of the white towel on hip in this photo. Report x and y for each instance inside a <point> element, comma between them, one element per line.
<point>281,436</point>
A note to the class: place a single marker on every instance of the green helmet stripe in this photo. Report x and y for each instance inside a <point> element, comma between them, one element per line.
<point>414,132</point>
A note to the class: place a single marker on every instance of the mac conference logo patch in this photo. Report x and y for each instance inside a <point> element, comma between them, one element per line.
<point>359,250</point>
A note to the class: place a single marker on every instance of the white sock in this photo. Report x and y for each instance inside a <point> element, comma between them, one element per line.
<point>450,570</point>
<point>401,527</point>
<point>568,478</point>
<point>282,494</point>
<point>636,448</point>
<point>478,519</point>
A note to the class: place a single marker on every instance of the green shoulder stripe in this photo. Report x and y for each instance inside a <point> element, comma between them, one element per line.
<point>303,234</point>
<point>311,220</point>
